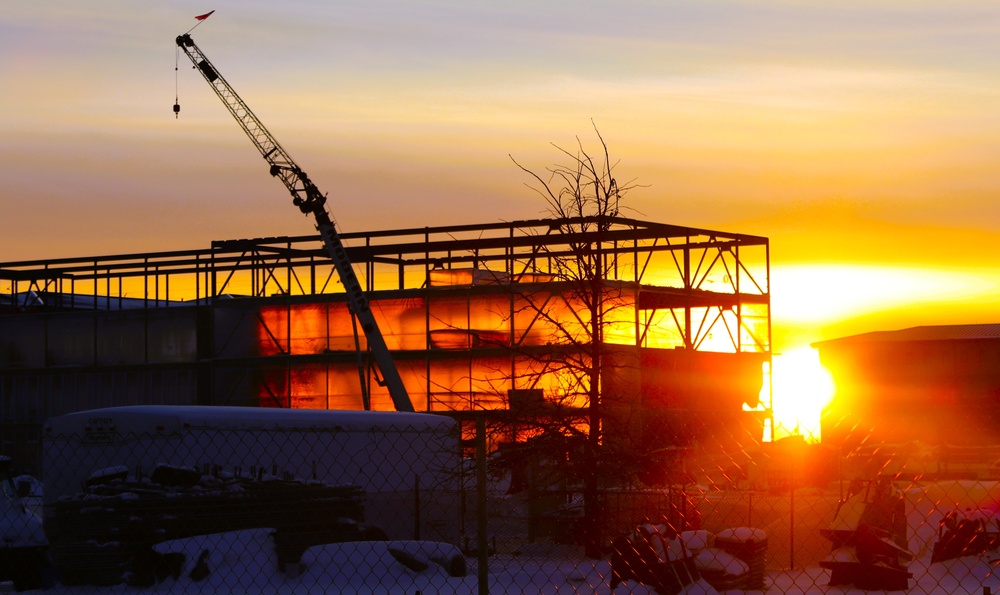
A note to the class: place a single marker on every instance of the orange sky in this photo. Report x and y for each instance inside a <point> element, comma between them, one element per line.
<point>861,137</point>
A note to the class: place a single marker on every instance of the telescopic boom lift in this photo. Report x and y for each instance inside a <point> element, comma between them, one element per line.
<point>307,197</point>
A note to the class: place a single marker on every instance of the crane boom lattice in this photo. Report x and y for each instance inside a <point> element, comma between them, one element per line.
<point>307,197</point>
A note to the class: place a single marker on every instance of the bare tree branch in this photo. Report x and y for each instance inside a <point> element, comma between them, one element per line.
<point>583,197</point>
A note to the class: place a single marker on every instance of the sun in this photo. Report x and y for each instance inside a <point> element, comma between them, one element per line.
<point>802,388</point>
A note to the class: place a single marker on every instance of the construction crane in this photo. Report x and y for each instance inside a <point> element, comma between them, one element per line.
<point>307,197</point>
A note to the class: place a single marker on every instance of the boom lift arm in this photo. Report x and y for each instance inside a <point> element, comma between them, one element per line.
<point>307,197</point>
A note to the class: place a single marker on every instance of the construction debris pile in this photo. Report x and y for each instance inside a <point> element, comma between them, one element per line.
<point>868,538</point>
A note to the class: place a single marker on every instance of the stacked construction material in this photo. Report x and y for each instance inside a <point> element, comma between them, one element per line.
<point>732,560</point>
<point>750,546</point>
<point>653,555</point>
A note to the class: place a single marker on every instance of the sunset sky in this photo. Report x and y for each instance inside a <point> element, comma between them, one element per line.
<point>862,138</point>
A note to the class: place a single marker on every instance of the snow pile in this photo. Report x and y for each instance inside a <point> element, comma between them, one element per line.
<point>246,561</point>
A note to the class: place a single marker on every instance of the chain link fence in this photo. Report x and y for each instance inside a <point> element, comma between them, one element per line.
<point>272,501</point>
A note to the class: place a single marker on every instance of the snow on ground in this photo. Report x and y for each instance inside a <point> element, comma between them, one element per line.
<point>245,561</point>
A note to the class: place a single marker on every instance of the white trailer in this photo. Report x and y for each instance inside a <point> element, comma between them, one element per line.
<point>407,463</point>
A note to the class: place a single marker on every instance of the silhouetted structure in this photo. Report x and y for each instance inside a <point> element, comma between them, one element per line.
<point>934,384</point>
<point>263,322</point>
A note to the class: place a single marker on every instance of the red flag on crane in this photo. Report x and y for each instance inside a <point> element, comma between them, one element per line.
<point>202,17</point>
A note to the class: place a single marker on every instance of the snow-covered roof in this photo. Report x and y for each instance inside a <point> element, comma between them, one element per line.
<point>952,332</point>
<point>221,417</point>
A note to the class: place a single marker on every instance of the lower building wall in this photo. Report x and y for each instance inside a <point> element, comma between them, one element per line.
<point>60,362</point>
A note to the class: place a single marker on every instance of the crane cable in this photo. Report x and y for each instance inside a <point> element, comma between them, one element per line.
<point>177,103</point>
<point>177,58</point>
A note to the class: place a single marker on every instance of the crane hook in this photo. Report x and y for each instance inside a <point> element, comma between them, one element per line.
<point>177,110</point>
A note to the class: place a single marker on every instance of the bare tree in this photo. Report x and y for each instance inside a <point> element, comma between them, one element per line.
<point>584,198</point>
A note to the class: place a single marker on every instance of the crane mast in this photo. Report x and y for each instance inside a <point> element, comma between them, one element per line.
<point>307,197</point>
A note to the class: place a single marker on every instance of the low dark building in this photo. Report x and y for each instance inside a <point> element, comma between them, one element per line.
<point>939,385</point>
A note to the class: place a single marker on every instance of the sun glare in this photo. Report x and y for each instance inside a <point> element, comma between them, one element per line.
<point>802,388</point>
<point>822,293</point>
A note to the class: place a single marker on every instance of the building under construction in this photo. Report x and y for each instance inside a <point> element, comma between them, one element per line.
<point>471,315</point>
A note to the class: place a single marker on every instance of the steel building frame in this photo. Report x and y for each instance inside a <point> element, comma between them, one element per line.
<point>705,290</point>
<point>401,260</point>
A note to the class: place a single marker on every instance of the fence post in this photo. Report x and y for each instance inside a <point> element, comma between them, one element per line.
<point>791,520</point>
<point>482,541</point>
<point>416,506</point>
